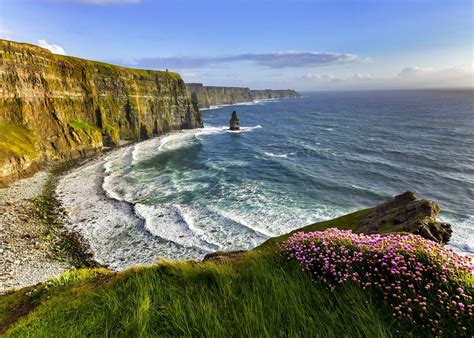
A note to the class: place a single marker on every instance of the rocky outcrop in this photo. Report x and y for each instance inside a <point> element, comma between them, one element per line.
<point>206,96</point>
<point>266,94</point>
<point>57,107</point>
<point>234,123</point>
<point>224,256</point>
<point>406,213</point>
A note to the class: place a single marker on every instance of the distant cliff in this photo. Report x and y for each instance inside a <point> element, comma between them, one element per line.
<point>206,96</point>
<point>274,94</point>
<point>55,107</point>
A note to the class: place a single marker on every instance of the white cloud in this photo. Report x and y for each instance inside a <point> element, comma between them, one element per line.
<point>56,49</point>
<point>457,76</point>
<point>408,78</point>
<point>414,71</point>
<point>363,77</point>
<point>332,78</point>
<point>312,76</point>
<point>268,60</point>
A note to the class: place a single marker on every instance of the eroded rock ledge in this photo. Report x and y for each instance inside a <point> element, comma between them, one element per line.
<point>406,213</point>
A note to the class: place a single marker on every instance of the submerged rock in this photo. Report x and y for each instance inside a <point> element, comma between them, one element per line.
<point>234,121</point>
<point>406,213</point>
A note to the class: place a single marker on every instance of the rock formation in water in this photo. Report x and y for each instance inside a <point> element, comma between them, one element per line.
<point>206,96</point>
<point>58,107</point>
<point>406,213</point>
<point>234,121</point>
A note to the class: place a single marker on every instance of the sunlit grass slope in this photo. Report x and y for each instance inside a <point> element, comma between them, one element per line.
<point>260,294</point>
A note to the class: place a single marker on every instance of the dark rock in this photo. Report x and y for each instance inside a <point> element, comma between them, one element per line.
<point>406,213</point>
<point>234,121</point>
<point>223,256</point>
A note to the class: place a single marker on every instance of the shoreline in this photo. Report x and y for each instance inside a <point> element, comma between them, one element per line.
<point>140,246</point>
<point>35,244</point>
<point>31,209</point>
<point>24,259</point>
<point>113,230</point>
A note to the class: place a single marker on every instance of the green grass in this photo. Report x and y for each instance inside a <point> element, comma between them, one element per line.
<point>16,140</point>
<point>115,68</point>
<point>80,125</point>
<point>91,132</point>
<point>260,295</point>
<point>346,222</point>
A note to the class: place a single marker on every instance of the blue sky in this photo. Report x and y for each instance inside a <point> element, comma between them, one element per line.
<point>302,44</point>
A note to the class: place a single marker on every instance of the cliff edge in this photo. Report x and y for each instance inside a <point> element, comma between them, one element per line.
<point>206,96</point>
<point>59,107</point>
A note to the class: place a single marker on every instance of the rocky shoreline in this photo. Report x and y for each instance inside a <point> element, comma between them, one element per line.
<point>24,257</point>
<point>40,238</point>
<point>34,243</point>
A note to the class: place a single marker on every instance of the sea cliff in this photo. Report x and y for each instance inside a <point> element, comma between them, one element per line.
<point>206,96</point>
<point>60,107</point>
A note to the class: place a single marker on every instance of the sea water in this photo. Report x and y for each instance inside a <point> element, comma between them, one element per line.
<point>298,161</point>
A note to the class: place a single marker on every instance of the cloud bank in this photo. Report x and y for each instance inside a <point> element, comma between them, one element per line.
<point>56,49</point>
<point>408,78</point>
<point>411,72</point>
<point>269,60</point>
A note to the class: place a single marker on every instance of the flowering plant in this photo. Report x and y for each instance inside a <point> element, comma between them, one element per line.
<point>422,281</point>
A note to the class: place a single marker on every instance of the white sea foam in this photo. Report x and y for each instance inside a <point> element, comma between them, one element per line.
<point>167,221</point>
<point>240,220</point>
<point>109,226</point>
<point>462,240</point>
<point>248,103</point>
<point>208,130</point>
<point>278,155</point>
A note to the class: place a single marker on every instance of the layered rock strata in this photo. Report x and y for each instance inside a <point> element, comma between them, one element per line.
<point>57,107</point>
<point>206,96</point>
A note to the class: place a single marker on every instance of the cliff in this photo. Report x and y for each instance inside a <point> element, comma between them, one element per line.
<point>274,94</point>
<point>58,107</point>
<point>206,96</point>
<point>267,286</point>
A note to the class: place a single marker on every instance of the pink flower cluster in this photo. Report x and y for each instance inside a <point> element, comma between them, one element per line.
<point>423,282</point>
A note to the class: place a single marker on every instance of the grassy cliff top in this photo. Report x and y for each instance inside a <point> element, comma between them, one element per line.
<point>30,48</point>
<point>261,293</point>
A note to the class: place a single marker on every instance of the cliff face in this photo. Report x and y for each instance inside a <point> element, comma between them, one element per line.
<point>274,94</point>
<point>54,107</point>
<point>206,96</point>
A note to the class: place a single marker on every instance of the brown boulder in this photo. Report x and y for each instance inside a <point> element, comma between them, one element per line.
<point>223,256</point>
<point>406,213</point>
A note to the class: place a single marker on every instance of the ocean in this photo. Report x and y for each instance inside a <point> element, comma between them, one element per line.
<point>295,161</point>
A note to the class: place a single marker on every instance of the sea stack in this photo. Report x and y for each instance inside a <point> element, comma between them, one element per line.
<point>234,121</point>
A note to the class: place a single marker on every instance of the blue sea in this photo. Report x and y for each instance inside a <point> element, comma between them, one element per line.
<point>298,161</point>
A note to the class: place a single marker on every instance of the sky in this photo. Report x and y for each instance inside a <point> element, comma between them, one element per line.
<point>301,44</point>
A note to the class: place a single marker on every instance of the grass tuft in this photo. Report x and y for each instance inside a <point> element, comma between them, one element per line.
<point>16,140</point>
<point>260,295</point>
